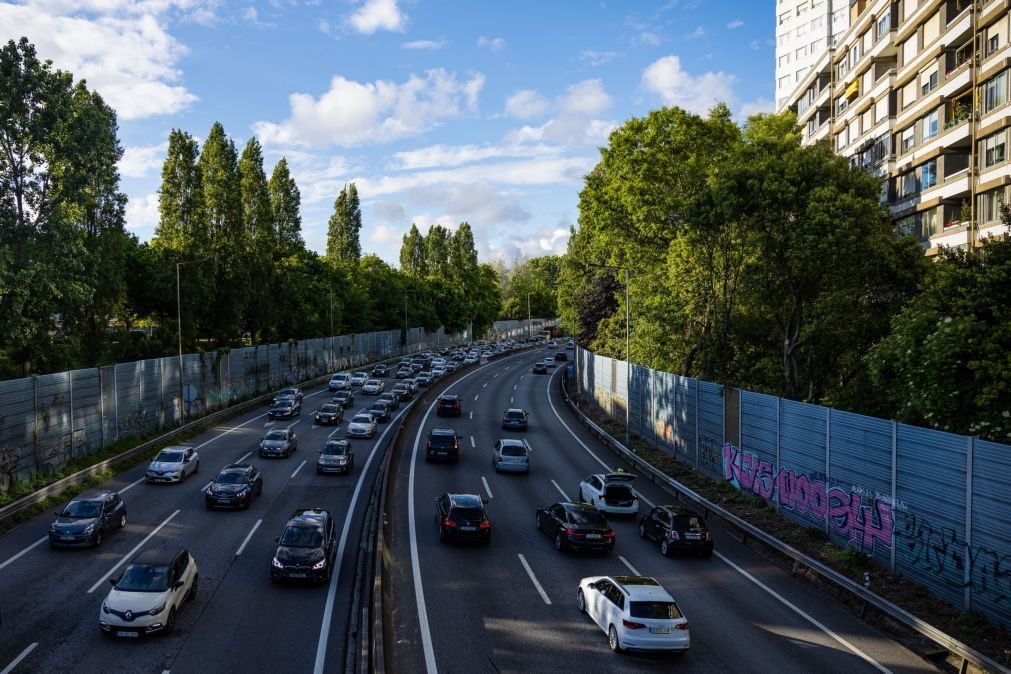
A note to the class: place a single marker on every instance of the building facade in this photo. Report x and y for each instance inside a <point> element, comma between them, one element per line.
<point>805,29</point>
<point>917,92</point>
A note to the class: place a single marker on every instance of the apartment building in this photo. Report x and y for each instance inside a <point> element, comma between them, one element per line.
<point>917,92</point>
<point>804,31</point>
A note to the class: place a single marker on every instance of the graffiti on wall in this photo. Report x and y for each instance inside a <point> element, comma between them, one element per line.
<point>944,554</point>
<point>710,453</point>
<point>864,522</point>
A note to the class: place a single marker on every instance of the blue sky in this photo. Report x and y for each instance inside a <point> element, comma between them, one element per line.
<point>441,111</point>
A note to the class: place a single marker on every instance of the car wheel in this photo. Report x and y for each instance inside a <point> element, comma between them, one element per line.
<point>170,624</point>
<point>612,639</point>
<point>122,520</point>
<point>580,601</point>
<point>98,538</point>
<point>642,531</point>
<point>664,548</point>
<point>579,497</point>
<point>197,468</point>
<point>559,543</point>
<point>259,489</point>
<point>539,522</point>
<point>707,554</point>
<point>192,594</point>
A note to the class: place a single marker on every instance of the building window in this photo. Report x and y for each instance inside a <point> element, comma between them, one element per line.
<point>800,74</point>
<point>906,226</point>
<point>907,185</point>
<point>800,53</point>
<point>993,148</point>
<point>784,17</point>
<point>884,23</point>
<point>908,139</point>
<point>784,81</point>
<point>928,222</point>
<point>928,82</point>
<point>993,44</point>
<point>995,92</point>
<point>991,203</point>
<point>929,124</point>
<point>928,175</point>
<point>784,60</point>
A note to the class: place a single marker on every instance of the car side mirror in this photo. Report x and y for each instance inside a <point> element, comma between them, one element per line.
<point>58,514</point>
<point>484,500</point>
<point>277,539</point>
<point>113,581</point>
<point>178,584</point>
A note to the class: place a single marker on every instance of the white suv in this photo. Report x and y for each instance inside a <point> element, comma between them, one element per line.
<point>144,600</point>
<point>340,382</point>
<point>635,612</point>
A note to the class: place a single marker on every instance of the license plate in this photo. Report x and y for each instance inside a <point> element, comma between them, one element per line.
<point>67,538</point>
<point>692,536</point>
<point>222,500</point>
<point>468,528</point>
<point>127,634</point>
<point>593,535</point>
<point>441,453</point>
<point>296,575</point>
<point>659,630</point>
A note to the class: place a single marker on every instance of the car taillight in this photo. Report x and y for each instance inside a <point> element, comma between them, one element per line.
<point>674,535</point>
<point>608,534</point>
<point>448,523</point>
<point>631,625</point>
<point>708,536</point>
<point>681,626</point>
<point>428,444</point>
<point>486,524</point>
<point>573,532</point>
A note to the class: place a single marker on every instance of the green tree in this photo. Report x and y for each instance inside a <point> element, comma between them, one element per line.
<point>286,203</point>
<point>412,253</point>
<point>258,218</point>
<point>437,251</point>
<point>344,228</point>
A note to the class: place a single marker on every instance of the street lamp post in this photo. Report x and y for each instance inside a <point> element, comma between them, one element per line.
<point>179,322</point>
<point>528,315</point>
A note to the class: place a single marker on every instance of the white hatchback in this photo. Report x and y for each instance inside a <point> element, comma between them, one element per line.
<point>144,600</point>
<point>635,612</point>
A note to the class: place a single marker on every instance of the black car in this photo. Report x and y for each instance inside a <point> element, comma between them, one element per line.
<point>514,420</point>
<point>443,445</point>
<point>539,368</point>
<point>561,355</point>
<point>345,398</point>
<point>390,399</point>
<point>291,392</point>
<point>285,408</point>
<point>462,517</point>
<point>279,442</point>
<point>404,372</point>
<point>329,414</point>
<point>234,487</point>
<point>448,405</point>
<point>306,549</point>
<point>85,521</point>
<point>381,370</point>
<point>335,457</point>
<point>380,411</point>
<point>677,529</point>
<point>576,526</point>
<point>402,391</point>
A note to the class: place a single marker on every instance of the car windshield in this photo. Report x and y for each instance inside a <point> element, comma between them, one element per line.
<point>327,408</point>
<point>467,514</point>
<point>171,457</point>
<point>514,450</point>
<point>372,382</point>
<point>378,407</point>
<point>362,419</point>
<point>83,509</point>
<point>231,477</point>
<point>144,578</point>
<point>656,610</point>
<point>335,449</point>
<point>276,436</point>
<point>302,537</point>
<point>285,403</point>
<point>587,517</point>
<point>288,393</point>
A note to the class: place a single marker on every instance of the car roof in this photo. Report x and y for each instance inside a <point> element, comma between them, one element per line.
<point>512,442</point>
<point>443,430</point>
<point>679,510</point>
<point>179,448</point>
<point>617,477</point>
<point>160,556</point>
<point>449,396</point>
<point>309,516</point>
<point>515,409</point>
<point>96,496</point>
<point>642,588</point>
<point>571,507</point>
<point>465,500</point>
<point>362,416</point>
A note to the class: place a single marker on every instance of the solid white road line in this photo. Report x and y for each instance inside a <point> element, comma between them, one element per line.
<point>130,554</point>
<point>324,630</point>
<point>630,567</point>
<point>293,425</point>
<point>533,578</point>
<point>332,433</point>
<point>582,444</point>
<point>299,467</point>
<point>486,487</point>
<point>24,654</point>
<point>643,498</point>
<point>269,424</point>
<point>129,486</point>
<point>204,488</point>
<point>472,441</point>
<point>248,536</point>
<point>786,602</point>
<point>510,400</point>
<point>562,492</point>
<point>25,551</point>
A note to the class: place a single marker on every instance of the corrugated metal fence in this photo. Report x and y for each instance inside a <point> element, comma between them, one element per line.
<point>929,505</point>
<point>48,420</point>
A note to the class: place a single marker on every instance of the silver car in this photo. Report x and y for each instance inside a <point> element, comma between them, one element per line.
<point>359,378</point>
<point>511,455</point>
<point>173,464</point>
<point>373,387</point>
<point>362,426</point>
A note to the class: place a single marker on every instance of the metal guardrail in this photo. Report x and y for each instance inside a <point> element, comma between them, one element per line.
<point>680,491</point>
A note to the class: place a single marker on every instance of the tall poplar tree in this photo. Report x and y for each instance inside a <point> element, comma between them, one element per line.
<point>286,202</point>
<point>258,219</point>
<point>412,253</point>
<point>342,241</point>
<point>437,250</point>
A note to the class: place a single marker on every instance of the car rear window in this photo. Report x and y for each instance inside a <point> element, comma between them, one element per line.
<point>466,513</point>
<point>617,491</point>
<point>689,523</point>
<point>514,450</point>
<point>656,610</point>
<point>442,440</point>
<point>514,415</point>
<point>591,517</point>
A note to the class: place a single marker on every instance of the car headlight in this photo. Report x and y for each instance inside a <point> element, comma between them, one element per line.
<point>105,608</point>
<point>89,529</point>
<point>342,461</point>
<point>243,491</point>
<point>277,564</point>
<point>319,565</point>
<point>157,609</point>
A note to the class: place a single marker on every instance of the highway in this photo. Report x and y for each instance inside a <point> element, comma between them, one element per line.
<point>239,620</point>
<point>511,605</point>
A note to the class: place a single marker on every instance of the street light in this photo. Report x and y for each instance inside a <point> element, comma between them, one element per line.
<point>628,357</point>
<point>179,321</point>
<point>528,315</point>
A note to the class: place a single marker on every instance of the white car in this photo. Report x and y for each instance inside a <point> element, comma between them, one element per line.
<point>145,599</point>
<point>438,362</point>
<point>173,464</point>
<point>635,612</point>
<point>361,426</point>
<point>373,387</point>
<point>610,493</point>
<point>340,382</point>
<point>359,378</point>
<point>510,455</point>
<point>469,360</point>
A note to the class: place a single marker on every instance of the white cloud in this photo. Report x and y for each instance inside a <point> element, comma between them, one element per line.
<point>543,240</point>
<point>757,106</point>
<point>736,23</point>
<point>675,86</point>
<point>492,43</point>
<point>526,104</point>
<point>472,202</point>
<point>142,216</point>
<point>445,156</point>
<point>648,37</point>
<point>121,47</point>
<point>385,236</point>
<point>569,130</point>
<point>755,45</point>
<point>391,212</point>
<point>138,161</point>
<point>596,58</point>
<point>424,44</point>
<point>585,98</point>
<point>376,15</point>
<point>351,113</point>
<point>697,33</point>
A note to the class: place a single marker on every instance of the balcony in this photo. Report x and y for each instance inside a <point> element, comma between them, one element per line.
<point>958,59</point>
<point>955,9</point>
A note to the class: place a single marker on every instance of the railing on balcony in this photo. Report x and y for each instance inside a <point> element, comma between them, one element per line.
<point>959,59</point>
<point>955,9</point>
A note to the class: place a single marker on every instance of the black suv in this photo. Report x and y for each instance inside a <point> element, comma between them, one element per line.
<point>448,404</point>
<point>443,445</point>
<point>329,414</point>
<point>576,526</point>
<point>234,487</point>
<point>677,529</point>
<point>462,517</point>
<point>306,549</point>
<point>86,520</point>
<point>381,370</point>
